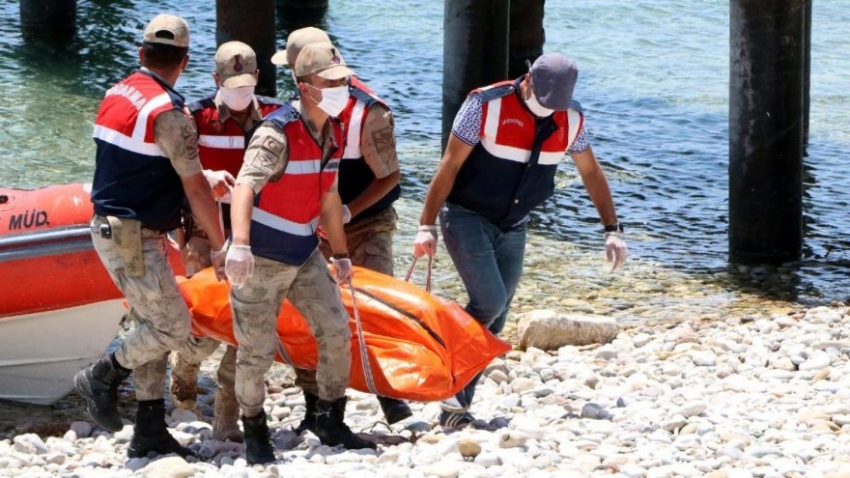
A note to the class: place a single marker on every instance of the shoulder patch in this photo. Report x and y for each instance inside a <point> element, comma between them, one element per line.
<point>383,139</point>
<point>272,145</point>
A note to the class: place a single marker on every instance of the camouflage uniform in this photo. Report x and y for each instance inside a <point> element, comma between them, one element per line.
<point>310,288</point>
<point>196,257</point>
<point>162,317</point>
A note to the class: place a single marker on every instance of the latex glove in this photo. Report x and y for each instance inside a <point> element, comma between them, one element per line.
<point>217,258</point>
<point>615,249</point>
<point>346,214</point>
<point>239,265</point>
<point>344,271</point>
<point>221,182</point>
<point>426,241</point>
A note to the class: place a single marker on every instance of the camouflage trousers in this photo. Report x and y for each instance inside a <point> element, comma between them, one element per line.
<point>196,257</point>
<point>311,289</point>
<point>162,317</point>
<point>370,245</point>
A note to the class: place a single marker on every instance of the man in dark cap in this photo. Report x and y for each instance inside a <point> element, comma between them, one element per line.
<point>500,162</point>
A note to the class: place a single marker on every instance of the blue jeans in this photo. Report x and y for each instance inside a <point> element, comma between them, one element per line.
<point>489,262</point>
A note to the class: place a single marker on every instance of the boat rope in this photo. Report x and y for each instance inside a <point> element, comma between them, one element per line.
<point>281,349</point>
<point>364,352</point>
<point>427,275</point>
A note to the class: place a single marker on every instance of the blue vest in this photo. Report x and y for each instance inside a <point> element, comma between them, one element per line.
<point>512,169</point>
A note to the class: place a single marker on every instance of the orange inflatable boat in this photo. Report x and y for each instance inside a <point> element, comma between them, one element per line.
<point>59,309</point>
<point>417,346</point>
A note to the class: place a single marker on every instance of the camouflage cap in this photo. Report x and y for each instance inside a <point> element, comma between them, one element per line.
<point>167,29</point>
<point>322,59</point>
<point>296,41</point>
<point>236,65</point>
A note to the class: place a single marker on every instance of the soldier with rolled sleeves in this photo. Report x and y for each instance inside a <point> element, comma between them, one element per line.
<point>368,186</point>
<point>288,182</point>
<point>146,168</point>
<point>223,119</point>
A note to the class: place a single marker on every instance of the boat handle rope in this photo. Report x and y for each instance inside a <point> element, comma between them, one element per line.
<point>220,217</point>
<point>361,340</point>
<point>427,275</point>
<point>281,349</point>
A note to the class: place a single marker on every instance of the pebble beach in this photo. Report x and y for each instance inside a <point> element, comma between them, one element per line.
<point>753,396</point>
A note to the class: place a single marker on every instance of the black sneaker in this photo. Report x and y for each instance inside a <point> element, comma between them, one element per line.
<point>456,420</point>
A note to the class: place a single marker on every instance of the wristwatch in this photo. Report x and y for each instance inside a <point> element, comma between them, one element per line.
<point>616,227</point>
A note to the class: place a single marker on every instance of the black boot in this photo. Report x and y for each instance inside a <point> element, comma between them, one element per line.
<point>98,384</point>
<point>331,429</point>
<point>258,444</point>
<point>151,433</point>
<point>309,421</point>
<point>394,410</point>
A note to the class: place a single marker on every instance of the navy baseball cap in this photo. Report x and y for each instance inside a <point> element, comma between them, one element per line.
<point>553,77</point>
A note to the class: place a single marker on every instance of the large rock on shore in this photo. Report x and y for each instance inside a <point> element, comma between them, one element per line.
<point>551,330</point>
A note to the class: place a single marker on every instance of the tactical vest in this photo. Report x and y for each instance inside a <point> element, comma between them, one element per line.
<point>286,212</point>
<point>133,178</point>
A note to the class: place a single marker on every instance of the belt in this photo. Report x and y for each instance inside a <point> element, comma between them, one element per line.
<point>100,226</point>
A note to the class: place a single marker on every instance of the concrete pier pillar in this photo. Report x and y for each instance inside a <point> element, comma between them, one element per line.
<point>48,20</point>
<point>295,14</point>
<point>807,71</point>
<point>475,51</point>
<point>526,35</point>
<point>766,130</point>
<point>254,26</point>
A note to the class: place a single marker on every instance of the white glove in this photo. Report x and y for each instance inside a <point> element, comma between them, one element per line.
<point>615,249</point>
<point>426,241</point>
<point>346,214</point>
<point>239,265</point>
<point>221,182</point>
<point>344,272</point>
<point>217,258</point>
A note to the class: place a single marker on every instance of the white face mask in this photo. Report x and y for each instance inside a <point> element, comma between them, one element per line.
<point>237,99</point>
<point>334,99</point>
<point>536,108</point>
